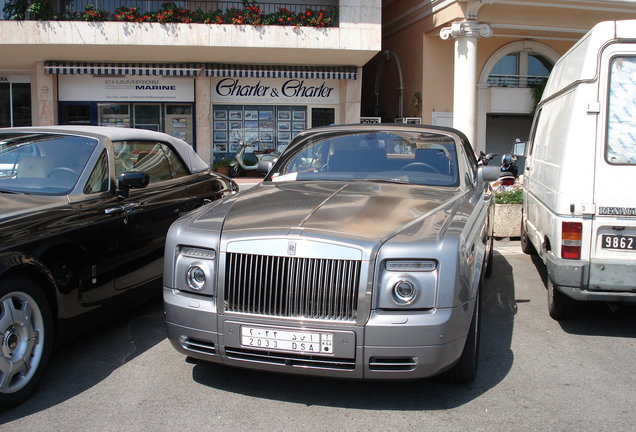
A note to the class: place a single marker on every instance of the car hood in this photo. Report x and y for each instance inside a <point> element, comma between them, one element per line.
<point>14,205</point>
<point>369,210</point>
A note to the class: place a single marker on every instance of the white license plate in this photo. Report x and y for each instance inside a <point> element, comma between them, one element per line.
<point>618,242</point>
<point>287,340</point>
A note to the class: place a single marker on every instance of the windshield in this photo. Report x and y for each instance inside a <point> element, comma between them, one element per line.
<point>42,164</point>
<point>397,156</point>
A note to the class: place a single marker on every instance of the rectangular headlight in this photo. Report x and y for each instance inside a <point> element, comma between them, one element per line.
<point>195,252</point>
<point>411,265</point>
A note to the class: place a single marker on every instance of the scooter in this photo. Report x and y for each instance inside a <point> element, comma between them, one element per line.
<point>248,157</point>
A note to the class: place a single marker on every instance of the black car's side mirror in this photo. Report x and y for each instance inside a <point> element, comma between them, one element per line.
<point>131,180</point>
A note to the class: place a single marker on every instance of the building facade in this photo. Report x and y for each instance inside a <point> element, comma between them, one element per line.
<point>477,65</point>
<point>214,85</point>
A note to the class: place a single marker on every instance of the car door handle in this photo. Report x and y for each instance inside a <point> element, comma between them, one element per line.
<point>122,208</point>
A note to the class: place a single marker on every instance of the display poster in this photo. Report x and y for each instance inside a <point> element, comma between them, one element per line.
<point>128,88</point>
<point>275,91</point>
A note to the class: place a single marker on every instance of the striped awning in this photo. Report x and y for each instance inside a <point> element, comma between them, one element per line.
<point>144,69</point>
<point>275,71</point>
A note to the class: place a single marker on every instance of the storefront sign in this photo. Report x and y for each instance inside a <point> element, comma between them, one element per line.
<point>275,91</point>
<point>128,88</point>
<point>15,78</point>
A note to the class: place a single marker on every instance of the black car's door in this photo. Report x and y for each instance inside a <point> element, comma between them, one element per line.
<point>148,213</point>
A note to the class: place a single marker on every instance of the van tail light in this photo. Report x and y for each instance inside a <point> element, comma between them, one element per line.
<point>571,235</point>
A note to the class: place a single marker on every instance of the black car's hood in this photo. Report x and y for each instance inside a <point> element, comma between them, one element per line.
<point>15,205</point>
<point>370,210</point>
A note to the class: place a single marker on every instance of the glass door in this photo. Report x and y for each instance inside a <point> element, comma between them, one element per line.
<point>147,116</point>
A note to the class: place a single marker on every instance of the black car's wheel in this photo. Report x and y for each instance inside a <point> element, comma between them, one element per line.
<point>466,368</point>
<point>26,332</point>
<point>560,306</point>
<point>526,244</point>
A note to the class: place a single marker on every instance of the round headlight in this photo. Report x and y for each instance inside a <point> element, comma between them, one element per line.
<point>404,292</point>
<point>195,277</point>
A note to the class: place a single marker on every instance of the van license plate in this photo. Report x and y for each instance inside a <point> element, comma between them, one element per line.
<point>618,242</point>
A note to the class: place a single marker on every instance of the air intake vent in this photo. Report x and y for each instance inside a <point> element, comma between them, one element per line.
<point>392,364</point>
<point>288,359</point>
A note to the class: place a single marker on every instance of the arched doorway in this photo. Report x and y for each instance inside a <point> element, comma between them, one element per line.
<point>506,93</point>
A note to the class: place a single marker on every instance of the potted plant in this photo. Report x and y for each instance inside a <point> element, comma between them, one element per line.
<point>222,166</point>
<point>508,212</point>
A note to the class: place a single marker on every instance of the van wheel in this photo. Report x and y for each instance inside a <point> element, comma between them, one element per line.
<point>526,245</point>
<point>465,370</point>
<point>560,306</point>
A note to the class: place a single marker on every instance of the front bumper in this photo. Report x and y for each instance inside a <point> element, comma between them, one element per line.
<point>599,280</point>
<point>391,345</point>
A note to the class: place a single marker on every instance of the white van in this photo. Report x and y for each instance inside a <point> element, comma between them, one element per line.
<point>579,205</point>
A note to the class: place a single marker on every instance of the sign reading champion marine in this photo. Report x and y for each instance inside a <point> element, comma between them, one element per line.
<point>276,91</point>
<point>128,88</point>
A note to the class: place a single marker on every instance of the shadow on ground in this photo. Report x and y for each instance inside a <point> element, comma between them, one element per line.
<point>496,358</point>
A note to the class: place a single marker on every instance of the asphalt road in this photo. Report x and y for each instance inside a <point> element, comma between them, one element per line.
<point>535,374</point>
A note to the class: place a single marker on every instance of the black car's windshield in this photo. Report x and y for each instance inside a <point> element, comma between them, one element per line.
<point>42,164</point>
<point>414,157</point>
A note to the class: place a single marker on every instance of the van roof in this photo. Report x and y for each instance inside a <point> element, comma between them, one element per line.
<point>581,61</point>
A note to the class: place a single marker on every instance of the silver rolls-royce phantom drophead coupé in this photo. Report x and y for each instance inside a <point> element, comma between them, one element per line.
<point>360,255</point>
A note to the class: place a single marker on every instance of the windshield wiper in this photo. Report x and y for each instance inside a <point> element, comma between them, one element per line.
<point>384,180</point>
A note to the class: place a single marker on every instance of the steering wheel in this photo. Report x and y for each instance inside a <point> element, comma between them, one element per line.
<point>426,166</point>
<point>62,170</point>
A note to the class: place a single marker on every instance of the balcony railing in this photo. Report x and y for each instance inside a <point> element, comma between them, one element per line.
<point>322,13</point>
<point>516,81</point>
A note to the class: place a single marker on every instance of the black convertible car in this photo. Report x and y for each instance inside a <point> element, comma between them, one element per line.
<point>84,212</point>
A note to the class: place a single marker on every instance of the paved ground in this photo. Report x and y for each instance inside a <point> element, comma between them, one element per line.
<point>535,374</point>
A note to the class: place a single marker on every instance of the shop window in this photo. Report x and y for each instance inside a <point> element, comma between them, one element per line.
<point>262,126</point>
<point>15,104</point>
<point>76,114</point>
<point>323,117</point>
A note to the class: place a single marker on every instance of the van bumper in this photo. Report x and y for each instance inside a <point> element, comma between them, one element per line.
<point>596,281</point>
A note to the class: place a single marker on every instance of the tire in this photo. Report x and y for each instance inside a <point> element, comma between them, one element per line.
<point>465,370</point>
<point>26,328</point>
<point>560,306</point>
<point>526,245</point>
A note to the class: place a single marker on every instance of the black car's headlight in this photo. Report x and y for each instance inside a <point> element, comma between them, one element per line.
<point>407,284</point>
<point>195,270</point>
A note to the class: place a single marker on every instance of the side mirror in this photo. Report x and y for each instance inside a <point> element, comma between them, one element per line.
<point>265,166</point>
<point>131,180</point>
<point>488,173</point>
<point>518,148</point>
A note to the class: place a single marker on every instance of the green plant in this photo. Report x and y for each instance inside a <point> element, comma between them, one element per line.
<point>509,197</point>
<point>222,163</point>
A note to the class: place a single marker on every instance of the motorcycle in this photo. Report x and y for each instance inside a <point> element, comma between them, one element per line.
<point>484,158</point>
<point>509,173</point>
<point>248,157</point>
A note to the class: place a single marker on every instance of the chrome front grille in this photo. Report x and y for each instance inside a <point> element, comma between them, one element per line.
<point>325,289</point>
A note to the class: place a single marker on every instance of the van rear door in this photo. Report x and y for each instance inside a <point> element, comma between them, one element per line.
<point>613,253</point>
